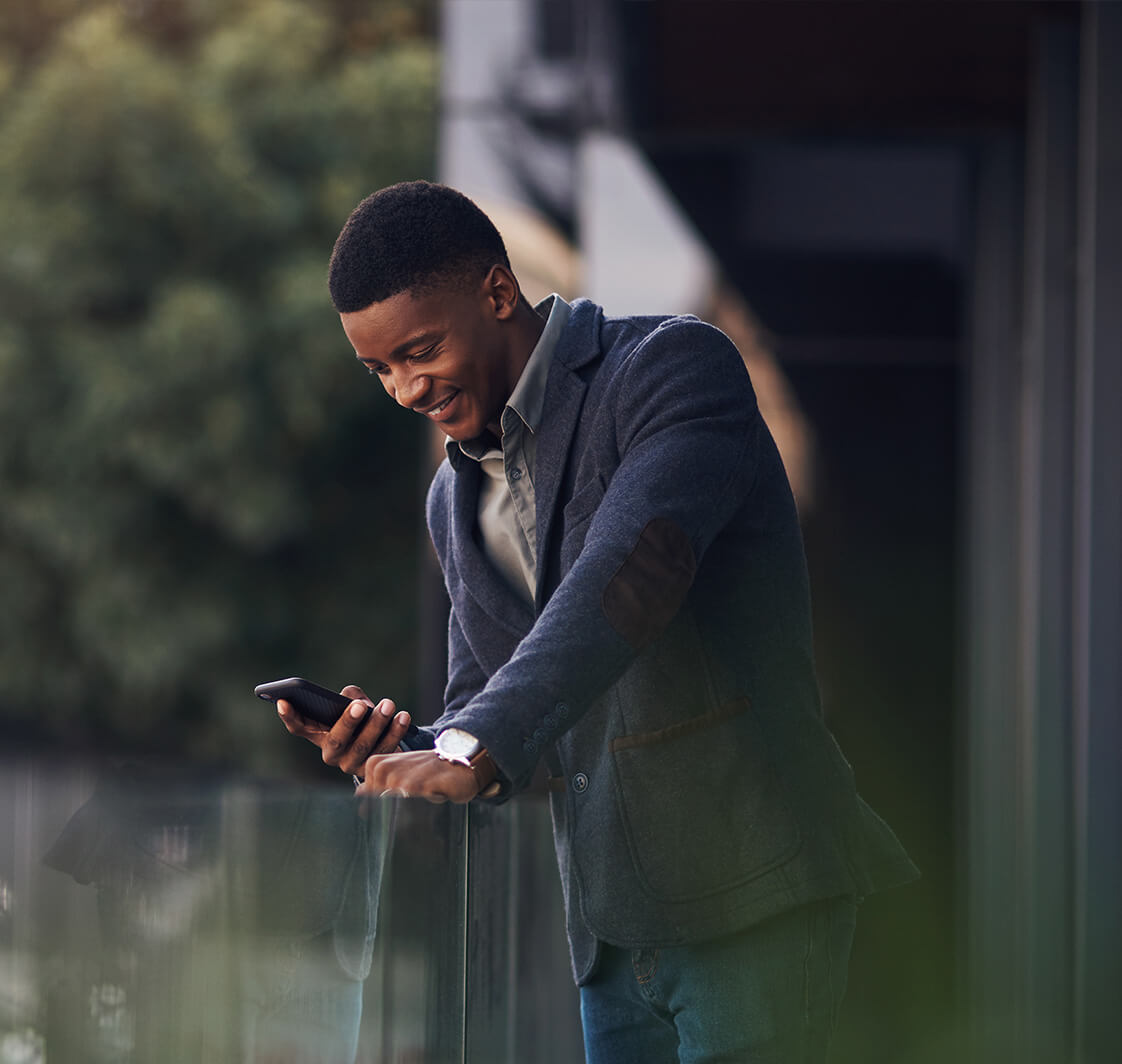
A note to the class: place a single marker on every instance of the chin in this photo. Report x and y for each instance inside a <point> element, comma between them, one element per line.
<point>462,429</point>
<point>457,433</point>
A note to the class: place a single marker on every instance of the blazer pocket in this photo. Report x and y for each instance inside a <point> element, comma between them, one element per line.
<point>703,808</point>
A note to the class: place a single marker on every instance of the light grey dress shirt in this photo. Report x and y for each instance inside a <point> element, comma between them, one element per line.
<point>507,520</point>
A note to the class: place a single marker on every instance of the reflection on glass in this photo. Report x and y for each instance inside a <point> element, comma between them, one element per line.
<point>153,917</point>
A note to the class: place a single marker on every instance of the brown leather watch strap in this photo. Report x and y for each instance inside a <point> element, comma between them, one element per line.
<point>484,769</point>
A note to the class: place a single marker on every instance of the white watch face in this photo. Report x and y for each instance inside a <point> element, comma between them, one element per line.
<point>455,742</point>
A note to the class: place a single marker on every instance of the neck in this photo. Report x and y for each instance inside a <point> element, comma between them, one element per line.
<point>528,326</point>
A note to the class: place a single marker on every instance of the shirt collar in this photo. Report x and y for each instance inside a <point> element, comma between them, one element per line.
<point>527,400</point>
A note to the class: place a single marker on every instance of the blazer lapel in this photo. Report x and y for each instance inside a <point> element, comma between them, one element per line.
<point>480,578</point>
<point>564,398</point>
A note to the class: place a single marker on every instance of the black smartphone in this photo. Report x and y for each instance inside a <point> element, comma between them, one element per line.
<point>316,702</point>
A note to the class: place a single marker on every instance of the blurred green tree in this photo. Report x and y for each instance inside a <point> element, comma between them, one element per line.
<point>199,488</point>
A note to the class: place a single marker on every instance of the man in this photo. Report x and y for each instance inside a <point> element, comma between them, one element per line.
<point>630,605</point>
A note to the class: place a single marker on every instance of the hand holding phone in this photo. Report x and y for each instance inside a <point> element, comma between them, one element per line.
<point>345,739</point>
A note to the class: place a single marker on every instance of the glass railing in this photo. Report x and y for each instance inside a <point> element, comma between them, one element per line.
<point>150,918</point>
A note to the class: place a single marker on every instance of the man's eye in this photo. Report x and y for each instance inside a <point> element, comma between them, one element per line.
<point>376,370</point>
<point>421,356</point>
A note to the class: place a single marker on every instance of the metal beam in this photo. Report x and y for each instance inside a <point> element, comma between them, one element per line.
<point>1097,620</point>
<point>1043,899</point>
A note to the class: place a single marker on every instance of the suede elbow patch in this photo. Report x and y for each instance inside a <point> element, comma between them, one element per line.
<point>651,584</point>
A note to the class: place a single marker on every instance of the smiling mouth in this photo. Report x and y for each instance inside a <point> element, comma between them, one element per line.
<point>435,411</point>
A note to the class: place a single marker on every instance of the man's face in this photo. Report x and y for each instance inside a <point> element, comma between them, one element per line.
<point>443,354</point>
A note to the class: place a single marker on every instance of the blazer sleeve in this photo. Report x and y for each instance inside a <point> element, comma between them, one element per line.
<point>466,677</point>
<point>677,432</point>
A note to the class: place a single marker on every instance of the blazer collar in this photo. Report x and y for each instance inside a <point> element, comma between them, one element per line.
<point>580,342</point>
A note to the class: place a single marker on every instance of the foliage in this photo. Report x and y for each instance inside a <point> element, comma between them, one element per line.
<point>199,489</point>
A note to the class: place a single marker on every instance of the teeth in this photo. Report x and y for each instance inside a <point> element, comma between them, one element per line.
<point>437,409</point>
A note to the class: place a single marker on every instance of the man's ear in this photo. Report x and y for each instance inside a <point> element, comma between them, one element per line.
<point>502,292</point>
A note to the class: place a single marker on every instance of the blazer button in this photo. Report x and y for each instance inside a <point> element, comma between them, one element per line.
<point>541,736</point>
<point>580,783</point>
<point>561,709</point>
<point>530,746</point>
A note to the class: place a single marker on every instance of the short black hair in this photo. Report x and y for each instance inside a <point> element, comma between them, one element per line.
<point>415,235</point>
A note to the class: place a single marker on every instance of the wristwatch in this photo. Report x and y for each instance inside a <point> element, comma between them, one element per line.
<point>463,748</point>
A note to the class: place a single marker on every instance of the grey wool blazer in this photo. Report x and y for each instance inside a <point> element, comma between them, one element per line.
<point>666,672</point>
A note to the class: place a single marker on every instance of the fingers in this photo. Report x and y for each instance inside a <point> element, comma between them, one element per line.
<point>417,774</point>
<point>397,724</point>
<point>363,730</point>
<point>339,741</point>
<point>297,724</point>
<point>401,792</point>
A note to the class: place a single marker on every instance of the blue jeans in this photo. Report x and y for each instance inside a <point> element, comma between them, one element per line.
<point>767,995</point>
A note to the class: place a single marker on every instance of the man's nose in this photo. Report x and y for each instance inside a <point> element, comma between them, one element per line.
<point>408,387</point>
